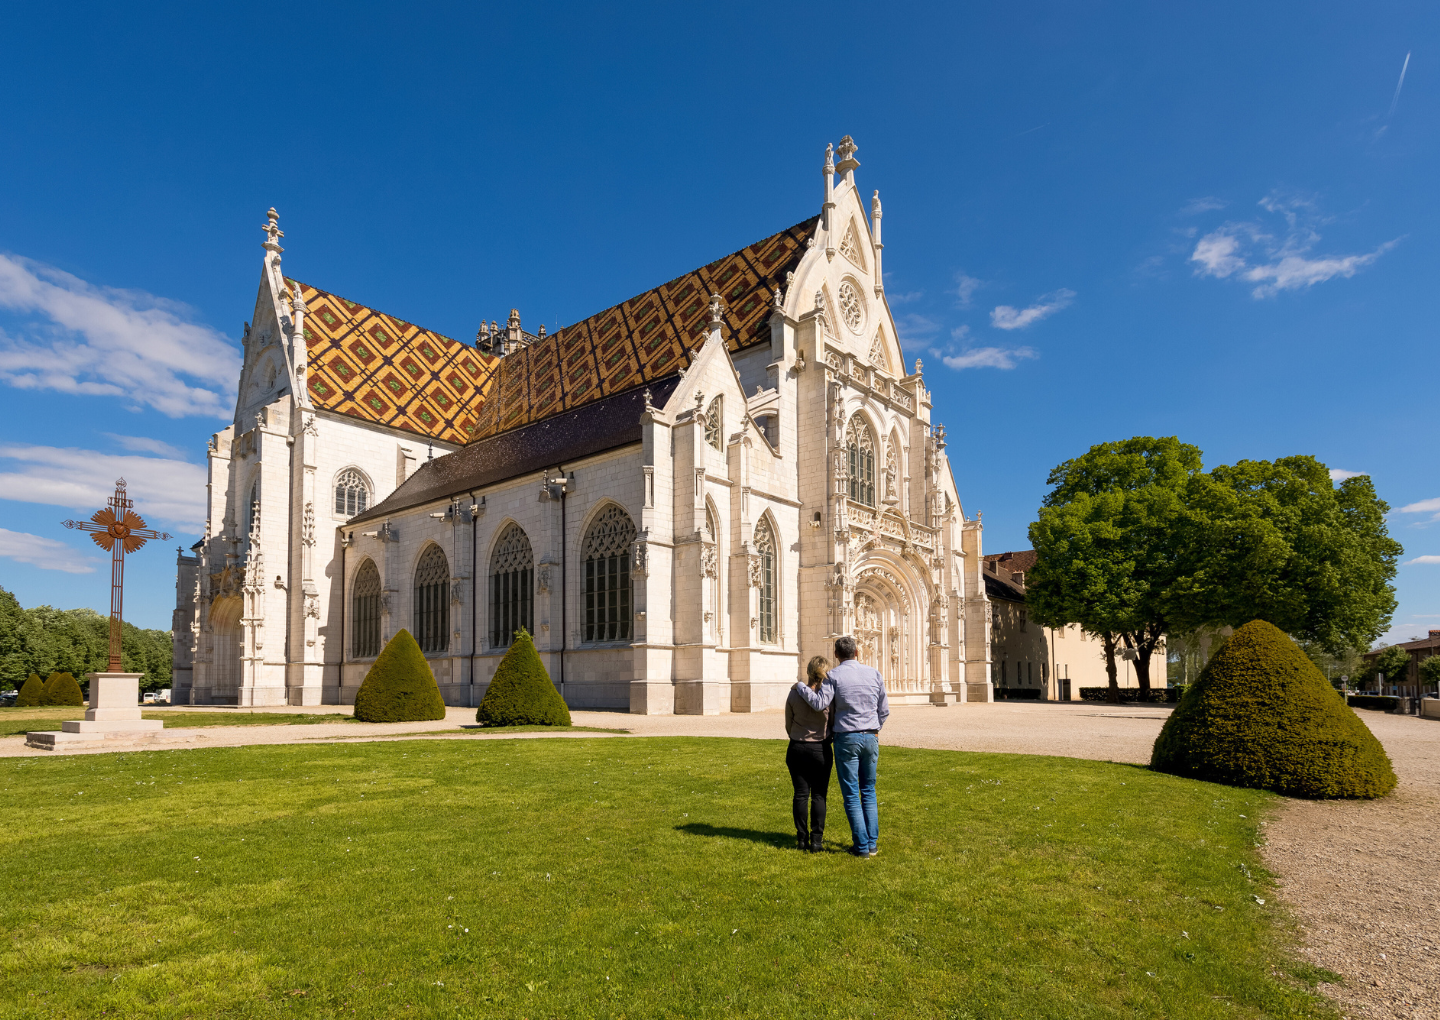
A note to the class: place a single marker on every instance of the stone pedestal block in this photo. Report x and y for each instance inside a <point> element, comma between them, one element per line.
<point>113,716</point>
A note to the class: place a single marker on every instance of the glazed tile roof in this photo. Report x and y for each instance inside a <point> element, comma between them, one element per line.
<point>643,339</point>
<point>374,366</point>
<point>371,365</point>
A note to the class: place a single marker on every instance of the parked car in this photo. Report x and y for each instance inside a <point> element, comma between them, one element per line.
<point>7,698</point>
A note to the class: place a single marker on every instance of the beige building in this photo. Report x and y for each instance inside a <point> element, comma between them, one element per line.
<point>682,497</point>
<point>1046,663</point>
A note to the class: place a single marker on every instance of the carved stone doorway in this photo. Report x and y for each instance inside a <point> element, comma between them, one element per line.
<point>226,644</point>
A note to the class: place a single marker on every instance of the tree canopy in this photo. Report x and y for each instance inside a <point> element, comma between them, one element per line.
<point>44,640</point>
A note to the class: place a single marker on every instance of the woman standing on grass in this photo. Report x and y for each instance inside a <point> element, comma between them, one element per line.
<point>809,758</point>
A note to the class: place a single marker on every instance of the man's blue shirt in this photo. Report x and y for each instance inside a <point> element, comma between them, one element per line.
<point>858,692</point>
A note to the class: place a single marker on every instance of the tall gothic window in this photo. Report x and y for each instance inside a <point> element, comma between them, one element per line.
<point>365,611</point>
<point>861,461</point>
<point>765,550</point>
<point>432,601</point>
<point>352,493</point>
<point>713,421</point>
<point>252,509</point>
<point>606,554</point>
<point>512,585</point>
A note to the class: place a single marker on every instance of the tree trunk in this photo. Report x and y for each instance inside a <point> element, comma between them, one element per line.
<point>1113,694</point>
<point>1144,644</point>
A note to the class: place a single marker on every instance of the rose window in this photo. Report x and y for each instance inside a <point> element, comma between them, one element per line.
<point>850,308</point>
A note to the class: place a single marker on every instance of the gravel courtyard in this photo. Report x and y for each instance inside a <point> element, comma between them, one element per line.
<point>1361,877</point>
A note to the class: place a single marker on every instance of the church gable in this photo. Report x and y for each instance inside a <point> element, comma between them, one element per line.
<point>366,364</point>
<point>645,338</point>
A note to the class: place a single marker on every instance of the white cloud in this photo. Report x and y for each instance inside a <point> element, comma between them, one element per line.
<point>144,444</point>
<point>1340,474</point>
<point>988,357</point>
<point>1423,559</point>
<point>965,287</point>
<point>917,327</point>
<point>1246,251</point>
<point>1196,206</point>
<point>100,341</point>
<point>1425,506</point>
<point>904,299</point>
<point>163,489</point>
<point>1007,317</point>
<point>45,553</point>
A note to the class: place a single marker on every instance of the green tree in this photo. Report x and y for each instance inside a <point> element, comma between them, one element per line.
<point>1394,663</point>
<point>1128,500</point>
<point>1430,672</point>
<point>1278,541</point>
<point>45,640</point>
<point>521,692</point>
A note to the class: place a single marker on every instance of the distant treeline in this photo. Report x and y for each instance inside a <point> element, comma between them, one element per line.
<point>76,641</point>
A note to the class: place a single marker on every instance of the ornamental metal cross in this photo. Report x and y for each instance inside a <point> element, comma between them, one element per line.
<point>118,530</point>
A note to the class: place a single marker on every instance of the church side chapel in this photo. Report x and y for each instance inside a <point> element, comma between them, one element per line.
<point>682,498</point>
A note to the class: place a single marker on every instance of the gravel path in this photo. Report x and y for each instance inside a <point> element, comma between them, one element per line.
<point>1362,878</point>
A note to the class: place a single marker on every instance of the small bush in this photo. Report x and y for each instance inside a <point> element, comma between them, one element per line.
<point>1156,695</point>
<point>1262,715</point>
<point>62,689</point>
<point>32,692</point>
<point>1375,702</point>
<point>399,686</point>
<point>521,693</point>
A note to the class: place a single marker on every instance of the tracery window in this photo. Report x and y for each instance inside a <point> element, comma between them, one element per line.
<point>713,421</point>
<point>512,586</point>
<point>365,611</point>
<point>432,601</point>
<point>850,249</point>
<point>606,554</point>
<point>852,309</point>
<point>352,493</point>
<point>765,550</point>
<point>861,449</point>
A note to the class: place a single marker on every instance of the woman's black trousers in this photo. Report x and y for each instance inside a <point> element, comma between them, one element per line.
<point>809,762</point>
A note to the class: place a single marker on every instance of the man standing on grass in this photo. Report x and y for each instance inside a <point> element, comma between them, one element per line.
<point>861,709</point>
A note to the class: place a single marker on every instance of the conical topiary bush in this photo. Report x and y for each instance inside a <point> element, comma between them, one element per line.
<point>399,686</point>
<point>32,692</point>
<point>1262,715</point>
<point>520,693</point>
<point>63,689</point>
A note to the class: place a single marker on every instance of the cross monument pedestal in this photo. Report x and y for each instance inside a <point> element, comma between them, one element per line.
<point>113,716</point>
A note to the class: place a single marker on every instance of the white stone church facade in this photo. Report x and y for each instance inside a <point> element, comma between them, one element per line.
<point>683,498</point>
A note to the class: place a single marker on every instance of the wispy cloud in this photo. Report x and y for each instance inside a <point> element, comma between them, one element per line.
<point>1424,506</point>
<point>1008,317</point>
<point>45,553</point>
<point>144,444</point>
<point>100,341</point>
<point>1423,560</point>
<point>987,357</point>
<point>916,327</point>
<point>1395,100</point>
<point>1340,474</point>
<point>1196,206</point>
<point>1248,252</point>
<point>905,298</point>
<point>965,287</point>
<point>163,489</point>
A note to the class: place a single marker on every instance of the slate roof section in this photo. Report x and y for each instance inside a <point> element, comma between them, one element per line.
<point>645,338</point>
<point>370,365</point>
<point>600,425</point>
<point>1002,588</point>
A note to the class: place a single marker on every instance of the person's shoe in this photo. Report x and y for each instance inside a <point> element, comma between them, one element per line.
<point>802,839</point>
<point>855,851</point>
<point>817,841</point>
<point>875,852</point>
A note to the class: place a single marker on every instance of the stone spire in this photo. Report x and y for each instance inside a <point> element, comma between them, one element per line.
<point>827,210</point>
<point>848,163</point>
<point>875,215</point>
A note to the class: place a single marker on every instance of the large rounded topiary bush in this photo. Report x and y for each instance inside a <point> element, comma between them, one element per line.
<point>32,692</point>
<point>1262,715</point>
<point>63,689</point>
<point>399,686</point>
<point>520,693</point>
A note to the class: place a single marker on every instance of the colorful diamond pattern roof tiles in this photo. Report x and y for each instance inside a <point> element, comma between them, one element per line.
<point>370,365</point>
<point>374,366</point>
<point>643,339</point>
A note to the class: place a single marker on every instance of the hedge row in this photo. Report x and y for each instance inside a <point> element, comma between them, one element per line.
<point>1378,702</point>
<point>1158,695</point>
<point>1017,694</point>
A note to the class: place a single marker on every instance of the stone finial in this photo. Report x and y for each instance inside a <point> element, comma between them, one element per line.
<point>875,212</point>
<point>273,233</point>
<point>649,400</point>
<point>779,301</point>
<point>715,310</point>
<point>848,163</point>
<point>919,366</point>
<point>541,332</point>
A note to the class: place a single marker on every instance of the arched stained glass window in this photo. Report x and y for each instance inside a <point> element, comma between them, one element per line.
<point>512,585</point>
<point>714,421</point>
<point>432,601</point>
<point>365,612</point>
<point>606,555</point>
<point>769,614</point>
<point>861,449</point>
<point>352,493</point>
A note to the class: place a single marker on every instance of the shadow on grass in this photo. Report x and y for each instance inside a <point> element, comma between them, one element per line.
<point>780,840</point>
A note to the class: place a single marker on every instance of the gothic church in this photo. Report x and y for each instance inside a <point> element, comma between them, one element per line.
<point>683,497</point>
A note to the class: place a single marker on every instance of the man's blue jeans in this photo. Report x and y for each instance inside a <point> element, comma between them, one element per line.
<point>856,757</point>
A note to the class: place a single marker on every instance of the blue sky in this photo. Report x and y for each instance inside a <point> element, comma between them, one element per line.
<point>1102,220</point>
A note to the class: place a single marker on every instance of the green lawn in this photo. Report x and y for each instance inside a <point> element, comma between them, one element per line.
<point>626,878</point>
<point>14,721</point>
